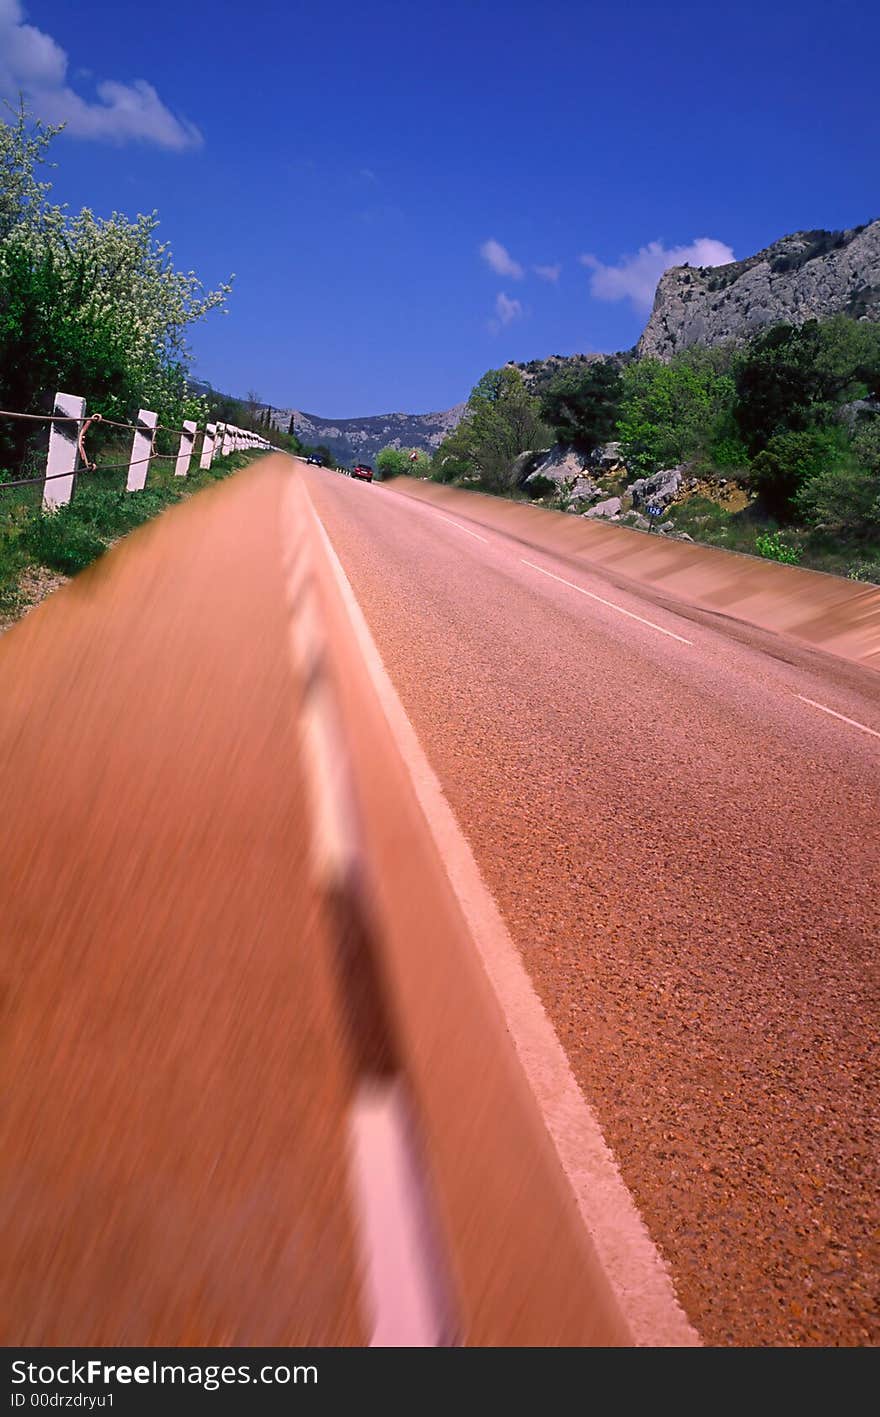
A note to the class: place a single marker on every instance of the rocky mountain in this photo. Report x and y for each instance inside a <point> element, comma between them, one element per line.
<point>808,275</point>
<point>352,440</point>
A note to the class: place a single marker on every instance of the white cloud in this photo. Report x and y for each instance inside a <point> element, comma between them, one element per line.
<point>32,63</point>
<point>506,311</point>
<point>635,277</point>
<point>500,259</point>
<point>551,273</point>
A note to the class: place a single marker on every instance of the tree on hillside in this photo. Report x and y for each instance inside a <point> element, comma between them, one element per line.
<point>582,405</point>
<point>501,420</point>
<point>676,412</point>
<point>792,377</point>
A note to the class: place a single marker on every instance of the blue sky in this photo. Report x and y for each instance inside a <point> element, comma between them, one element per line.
<point>385,178</point>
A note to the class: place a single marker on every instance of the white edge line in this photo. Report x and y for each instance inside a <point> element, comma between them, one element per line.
<point>611,606</point>
<point>635,1269</point>
<point>854,723</point>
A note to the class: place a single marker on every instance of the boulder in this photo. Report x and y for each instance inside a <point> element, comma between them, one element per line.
<point>607,509</point>
<point>661,488</point>
<point>855,412</point>
<point>557,464</point>
<point>608,457</point>
<point>523,465</point>
<point>582,492</point>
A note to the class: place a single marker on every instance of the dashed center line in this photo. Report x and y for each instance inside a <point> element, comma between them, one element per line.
<point>611,606</point>
<point>458,527</point>
<point>853,722</point>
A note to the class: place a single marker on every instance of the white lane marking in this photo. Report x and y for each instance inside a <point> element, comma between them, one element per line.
<point>632,1262</point>
<point>459,527</point>
<point>400,1297</point>
<point>854,723</point>
<point>611,606</point>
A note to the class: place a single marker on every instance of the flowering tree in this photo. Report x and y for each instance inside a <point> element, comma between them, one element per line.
<point>23,147</point>
<point>90,304</point>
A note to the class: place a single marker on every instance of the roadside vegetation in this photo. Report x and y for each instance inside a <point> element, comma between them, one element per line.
<point>399,462</point>
<point>94,307</point>
<point>778,442</point>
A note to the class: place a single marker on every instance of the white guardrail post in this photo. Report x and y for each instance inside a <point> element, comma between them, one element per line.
<point>207,453</point>
<point>227,440</point>
<point>141,450</point>
<point>63,459</point>
<point>184,452</point>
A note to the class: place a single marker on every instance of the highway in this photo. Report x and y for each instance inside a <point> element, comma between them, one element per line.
<point>685,849</point>
<point>470,949</point>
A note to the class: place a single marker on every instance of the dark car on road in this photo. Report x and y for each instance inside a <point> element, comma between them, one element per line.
<point>317,461</point>
<point>362,471</point>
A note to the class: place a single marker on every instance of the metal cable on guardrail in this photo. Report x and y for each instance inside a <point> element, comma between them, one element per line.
<point>68,459</point>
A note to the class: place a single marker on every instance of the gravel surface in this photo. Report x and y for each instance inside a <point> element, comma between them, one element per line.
<point>687,856</point>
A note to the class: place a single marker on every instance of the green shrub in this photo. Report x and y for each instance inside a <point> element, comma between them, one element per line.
<point>399,462</point>
<point>843,497</point>
<point>771,546</point>
<point>789,461</point>
<point>60,540</point>
<point>867,571</point>
<point>729,451</point>
<point>541,486</point>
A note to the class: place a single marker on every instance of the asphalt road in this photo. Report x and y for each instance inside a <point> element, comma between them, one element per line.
<point>279,1070</point>
<point>679,823</point>
<point>257,1088</point>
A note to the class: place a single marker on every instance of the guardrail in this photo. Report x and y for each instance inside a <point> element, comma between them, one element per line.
<point>67,458</point>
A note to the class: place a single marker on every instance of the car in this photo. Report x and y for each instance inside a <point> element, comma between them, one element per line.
<point>362,471</point>
<point>312,459</point>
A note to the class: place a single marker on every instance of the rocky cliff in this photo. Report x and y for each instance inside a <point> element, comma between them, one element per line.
<point>352,440</point>
<point>809,275</point>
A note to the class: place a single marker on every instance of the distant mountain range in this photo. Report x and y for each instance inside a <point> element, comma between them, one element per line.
<point>807,275</point>
<point>360,439</point>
